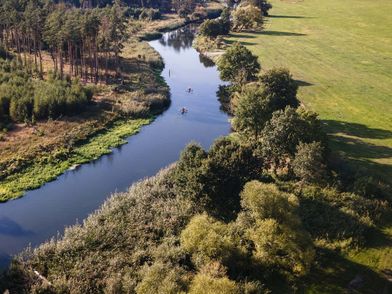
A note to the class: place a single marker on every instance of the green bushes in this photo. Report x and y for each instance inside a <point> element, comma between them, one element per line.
<point>212,28</point>
<point>23,99</point>
<point>56,97</point>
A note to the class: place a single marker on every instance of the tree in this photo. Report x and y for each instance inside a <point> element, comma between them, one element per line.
<point>247,17</point>
<point>210,28</point>
<point>275,229</point>
<point>285,130</point>
<point>252,111</point>
<point>309,163</point>
<point>238,65</point>
<point>280,86</point>
<point>264,5</point>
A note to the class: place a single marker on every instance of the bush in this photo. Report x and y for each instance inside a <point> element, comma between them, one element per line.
<point>205,284</point>
<point>162,278</point>
<point>275,229</point>
<point>207,240</point>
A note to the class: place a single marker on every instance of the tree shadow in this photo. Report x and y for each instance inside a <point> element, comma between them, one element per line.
<point>242,36</point>
<point>288,16</point>
<point>355,155</point>
<point>303,83</point>
<point>357,130</point>
<point>333,273</point>
<point>279,33</point>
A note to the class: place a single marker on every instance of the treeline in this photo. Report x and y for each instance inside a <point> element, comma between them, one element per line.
<point>24,99</point>
<point>89,41</point>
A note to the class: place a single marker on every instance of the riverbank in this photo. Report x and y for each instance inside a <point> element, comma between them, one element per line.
<point>32,155</point>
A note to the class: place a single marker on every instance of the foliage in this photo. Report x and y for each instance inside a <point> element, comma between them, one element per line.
<point>282,134</point>
<point>24,99</point>
<point>281,87</point>
<point>238,65</point>
<point>247,17</point>
<point>252,111</point>
<point>150,14</point>
<point>264,5</point>
<point>207,240</point>
<point>216,178</point>
<point>276,230</point>
<point>212,28</point>
<point>309,163</point>
<point>206,284</point>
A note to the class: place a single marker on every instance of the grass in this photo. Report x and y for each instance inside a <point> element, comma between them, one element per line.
<point>49,168</point>
<point>341,54</point>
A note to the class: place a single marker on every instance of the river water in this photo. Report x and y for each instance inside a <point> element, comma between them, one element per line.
<point>44,212</point>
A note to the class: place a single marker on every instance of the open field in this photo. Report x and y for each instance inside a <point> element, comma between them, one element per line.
<point>341,53</point>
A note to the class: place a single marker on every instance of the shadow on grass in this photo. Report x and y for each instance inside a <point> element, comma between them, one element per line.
<point>303,83</point>
<point>279,33</point>
<point>358,154</point>
<point>357,130</point>
<point>333,274</point>
<point>287,16</point>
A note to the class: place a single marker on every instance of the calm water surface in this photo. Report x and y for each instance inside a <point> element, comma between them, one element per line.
<point>44,212</point>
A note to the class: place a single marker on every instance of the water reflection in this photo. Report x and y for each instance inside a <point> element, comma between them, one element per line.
<point>9,227</point>
<point>180,39</point>
<point>206,61</point>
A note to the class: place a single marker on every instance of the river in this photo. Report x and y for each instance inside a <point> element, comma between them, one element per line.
<point>45,212</point>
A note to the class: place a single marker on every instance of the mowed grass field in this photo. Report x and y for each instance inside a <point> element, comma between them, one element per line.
<point>340,51</point>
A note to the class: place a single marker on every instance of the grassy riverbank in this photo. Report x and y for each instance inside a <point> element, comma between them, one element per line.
<point>31,155</point>
<point>341,54</point>
<point>47,168</point>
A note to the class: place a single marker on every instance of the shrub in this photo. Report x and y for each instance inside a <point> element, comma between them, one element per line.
<point>162,278</point>
<point>207,240</point>
<point>280,246</point>
<point>275,228</point>
<point>205,284</point>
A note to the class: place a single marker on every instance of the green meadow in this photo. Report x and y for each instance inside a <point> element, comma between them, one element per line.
<point>341,54</point>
